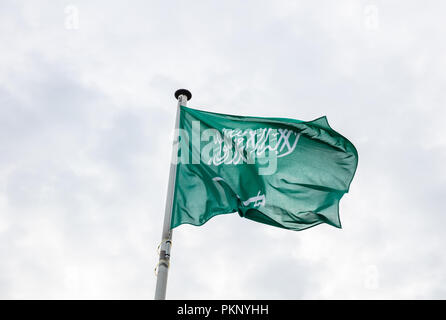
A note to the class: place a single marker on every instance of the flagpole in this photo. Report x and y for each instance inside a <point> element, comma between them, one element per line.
<point>182,95</point>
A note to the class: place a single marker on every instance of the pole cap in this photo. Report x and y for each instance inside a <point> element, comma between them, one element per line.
<point>184,92</point>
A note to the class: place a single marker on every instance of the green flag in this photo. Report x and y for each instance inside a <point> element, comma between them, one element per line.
<point>282,172</point>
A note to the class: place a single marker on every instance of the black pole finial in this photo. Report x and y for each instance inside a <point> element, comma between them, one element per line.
<point>184,92</point>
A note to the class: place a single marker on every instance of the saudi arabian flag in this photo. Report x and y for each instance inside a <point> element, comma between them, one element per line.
<point>282,172</point>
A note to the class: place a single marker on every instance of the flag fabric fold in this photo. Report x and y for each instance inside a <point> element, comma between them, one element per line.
<point>281,172</point>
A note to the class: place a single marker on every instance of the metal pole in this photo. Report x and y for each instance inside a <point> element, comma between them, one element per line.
<point>182,95</point>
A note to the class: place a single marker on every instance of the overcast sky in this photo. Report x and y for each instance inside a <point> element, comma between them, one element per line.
<point>86,116</point>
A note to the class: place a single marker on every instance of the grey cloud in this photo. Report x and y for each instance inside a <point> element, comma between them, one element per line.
<point>85,123</point>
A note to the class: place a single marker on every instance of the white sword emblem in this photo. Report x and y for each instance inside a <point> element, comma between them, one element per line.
<point>258,200</point>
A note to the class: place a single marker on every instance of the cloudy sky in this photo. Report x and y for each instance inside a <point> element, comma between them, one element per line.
<point>86,117</point>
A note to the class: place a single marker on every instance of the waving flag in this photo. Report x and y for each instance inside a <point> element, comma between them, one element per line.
<point>282,172</point>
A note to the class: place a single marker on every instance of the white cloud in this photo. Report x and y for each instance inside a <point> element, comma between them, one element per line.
<point>85,123</point>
